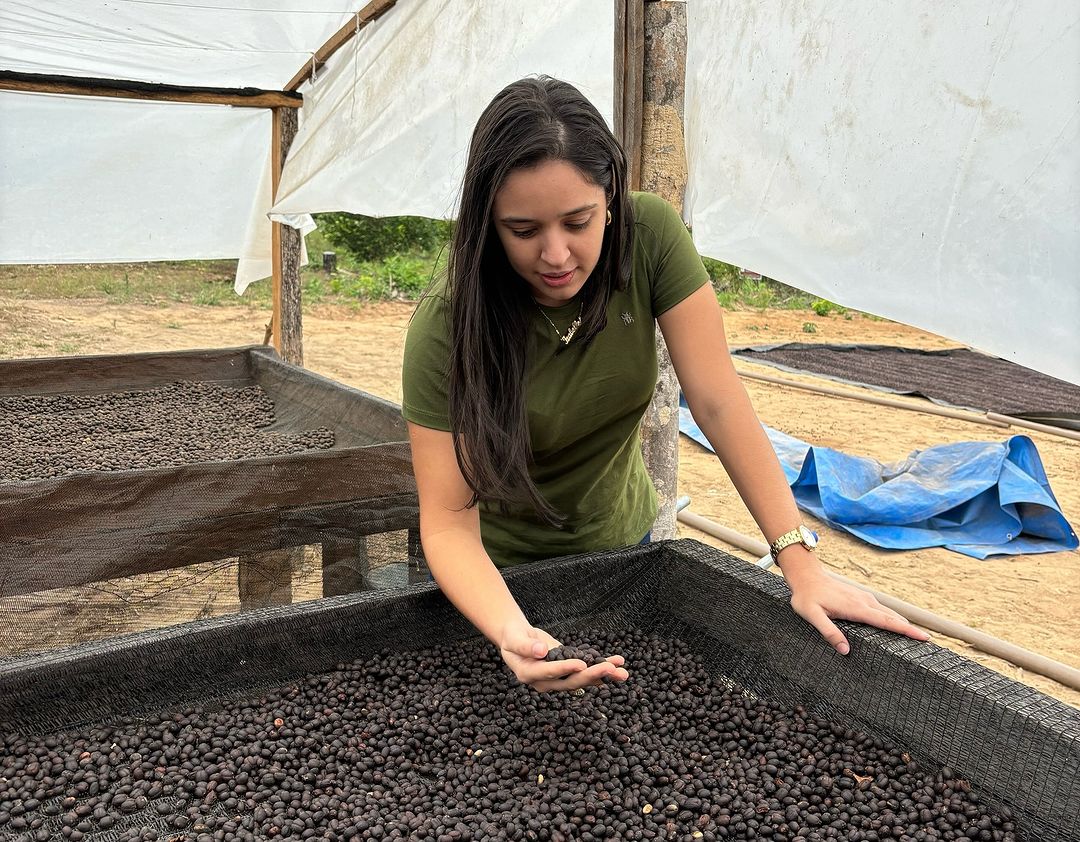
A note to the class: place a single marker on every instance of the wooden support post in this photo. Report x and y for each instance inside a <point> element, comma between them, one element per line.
<point>286,323</point>
<point>629,61</point>
<point>345,566</point>
<point>662,170</point>
<point>262,576</point>
<point>266,578</point>
<point>418,568</point>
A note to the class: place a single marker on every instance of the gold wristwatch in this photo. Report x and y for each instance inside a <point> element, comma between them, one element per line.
<point>807,537</point>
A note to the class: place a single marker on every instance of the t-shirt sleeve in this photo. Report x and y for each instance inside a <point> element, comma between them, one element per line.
<point>425,397</point>
<point>676,269</point>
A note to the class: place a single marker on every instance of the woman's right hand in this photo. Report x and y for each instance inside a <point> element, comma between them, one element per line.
<point>524,648</point>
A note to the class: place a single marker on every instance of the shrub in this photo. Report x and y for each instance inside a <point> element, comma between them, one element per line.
<point>823,307</point>
<point>374,238</point>
<point>723,275</point>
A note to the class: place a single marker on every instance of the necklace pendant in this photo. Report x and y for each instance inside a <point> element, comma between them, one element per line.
<point>563,337</point>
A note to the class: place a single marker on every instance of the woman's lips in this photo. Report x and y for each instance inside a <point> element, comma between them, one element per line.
<point>558,280</point>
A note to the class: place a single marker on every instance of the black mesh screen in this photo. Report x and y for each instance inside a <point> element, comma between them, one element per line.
<point>124,548</point>
<point>134,593</point>
<point>1018,748</point>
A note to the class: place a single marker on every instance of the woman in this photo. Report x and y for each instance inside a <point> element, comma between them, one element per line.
<point>528,369</point>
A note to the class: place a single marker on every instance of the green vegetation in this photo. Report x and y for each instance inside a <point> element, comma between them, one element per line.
<point>734,290</point>
<point>377,259</point>
<point>192,281</point>
<point>368,238</point>
<point>209,283</point>
<point>824,308</point>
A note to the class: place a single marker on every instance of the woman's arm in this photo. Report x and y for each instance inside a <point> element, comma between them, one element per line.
<point>450,533</point>
<point>694,332</point>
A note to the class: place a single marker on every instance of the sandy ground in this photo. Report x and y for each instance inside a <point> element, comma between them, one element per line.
<point>1033,601</point>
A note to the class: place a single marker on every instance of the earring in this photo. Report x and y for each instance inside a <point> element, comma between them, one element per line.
<point>609,217</point>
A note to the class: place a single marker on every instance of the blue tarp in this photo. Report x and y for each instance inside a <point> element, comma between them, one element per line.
<point>977,498</point>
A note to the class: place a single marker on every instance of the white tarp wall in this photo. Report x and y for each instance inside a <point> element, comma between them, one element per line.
<point>385,128</point>
<point>218,43</point>
<point>103,180</point>
<point>915,160</point>
<point>86,180</point>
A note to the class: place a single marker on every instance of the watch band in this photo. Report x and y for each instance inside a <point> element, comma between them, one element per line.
<point>795,536</point>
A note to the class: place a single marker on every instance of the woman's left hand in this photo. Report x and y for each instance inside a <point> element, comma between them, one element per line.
<point>820,599</point>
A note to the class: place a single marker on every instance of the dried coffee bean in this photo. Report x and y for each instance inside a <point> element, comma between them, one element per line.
<point>566,652</point>
<point>180,423</point>
<point>444,745</point>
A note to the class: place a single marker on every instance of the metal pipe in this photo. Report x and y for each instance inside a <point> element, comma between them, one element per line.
<point>1023,658</point>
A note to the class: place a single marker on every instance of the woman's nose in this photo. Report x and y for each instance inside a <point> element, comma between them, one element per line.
<point>554,251</point>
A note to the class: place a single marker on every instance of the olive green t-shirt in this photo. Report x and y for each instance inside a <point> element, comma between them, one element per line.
<point>584,405</point>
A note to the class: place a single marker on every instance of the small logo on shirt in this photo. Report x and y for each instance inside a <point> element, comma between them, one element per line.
<point>627,318</point>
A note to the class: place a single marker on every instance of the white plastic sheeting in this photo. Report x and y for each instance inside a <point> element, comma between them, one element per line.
<point>103,180</point>
<point>256,256</point>
<point>217,43</point>
<point>915,160</point>
<point>110,180</point>
<point>386,127</point>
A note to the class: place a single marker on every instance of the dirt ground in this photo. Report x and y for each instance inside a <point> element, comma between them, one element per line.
<point>1032,601</point>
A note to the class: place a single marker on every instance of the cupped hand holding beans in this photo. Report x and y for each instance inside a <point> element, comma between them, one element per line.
<point>539,660</point>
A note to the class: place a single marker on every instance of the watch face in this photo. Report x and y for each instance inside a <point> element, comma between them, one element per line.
<point>808,537</point>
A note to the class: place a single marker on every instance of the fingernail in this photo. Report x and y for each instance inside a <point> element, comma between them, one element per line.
<point>843,648</point>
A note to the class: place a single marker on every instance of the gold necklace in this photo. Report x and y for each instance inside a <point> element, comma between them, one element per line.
<point>564,337</point>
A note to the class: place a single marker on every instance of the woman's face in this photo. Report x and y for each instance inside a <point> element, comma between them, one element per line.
<point>551,220</point>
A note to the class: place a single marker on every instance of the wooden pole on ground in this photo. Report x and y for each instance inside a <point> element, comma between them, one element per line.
<point>1023,658</point>
<point>662,170</point>
<point>928,408</point>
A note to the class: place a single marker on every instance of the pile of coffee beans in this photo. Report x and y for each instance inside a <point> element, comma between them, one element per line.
<point>444,745</point>
<point>588,654</point>
<point>180,423</point>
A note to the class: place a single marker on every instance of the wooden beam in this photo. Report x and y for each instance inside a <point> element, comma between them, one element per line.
<point>629,70</point>
<point>372,11</point>
<point>41,83</point>
<point>286,322</point>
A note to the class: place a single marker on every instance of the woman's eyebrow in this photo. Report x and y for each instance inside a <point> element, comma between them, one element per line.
<point>511,220</point>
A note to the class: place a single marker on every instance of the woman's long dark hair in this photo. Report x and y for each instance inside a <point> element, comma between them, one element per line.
<point>528,122</point>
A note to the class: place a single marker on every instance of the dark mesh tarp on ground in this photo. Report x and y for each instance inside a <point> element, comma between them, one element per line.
<point>85,528</point>
<point>1017,746</point>
<point>956,377</point>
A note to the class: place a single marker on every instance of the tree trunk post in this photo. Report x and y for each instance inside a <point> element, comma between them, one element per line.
<point>663,171</point>
<point>266,578</point>
<point>286,322</point>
